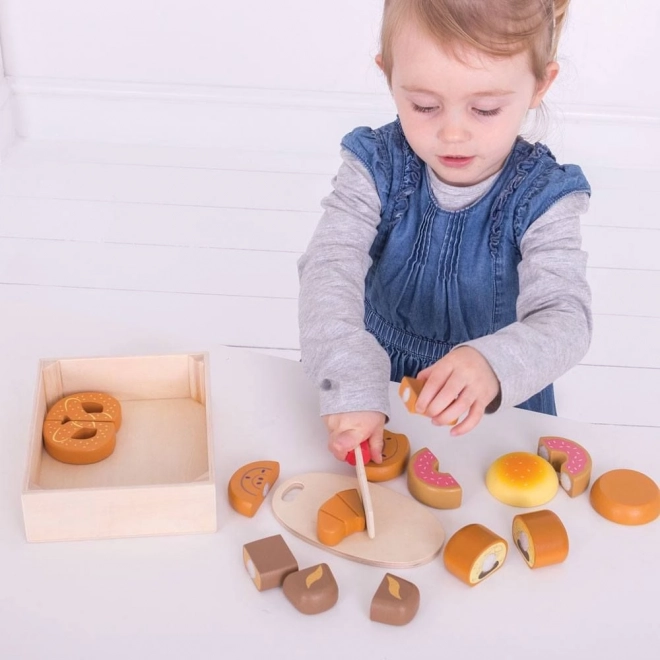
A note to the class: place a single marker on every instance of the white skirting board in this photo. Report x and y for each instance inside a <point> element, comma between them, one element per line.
<point>289,120</point>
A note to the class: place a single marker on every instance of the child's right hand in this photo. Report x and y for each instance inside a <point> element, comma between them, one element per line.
<point>348,430</point>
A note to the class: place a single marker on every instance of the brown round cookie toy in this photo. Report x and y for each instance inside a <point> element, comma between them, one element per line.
<point>396,449</point>
<point>626,497</point>
<point>81,428</point>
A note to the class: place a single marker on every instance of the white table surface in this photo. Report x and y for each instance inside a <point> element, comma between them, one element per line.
<point>190,596</point>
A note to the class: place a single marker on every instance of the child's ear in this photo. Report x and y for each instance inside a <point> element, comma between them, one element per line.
<point>379,61</point>
<point>551,71</point>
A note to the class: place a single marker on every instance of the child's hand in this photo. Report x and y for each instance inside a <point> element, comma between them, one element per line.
<point>461,381</point>
<point>348,430</point>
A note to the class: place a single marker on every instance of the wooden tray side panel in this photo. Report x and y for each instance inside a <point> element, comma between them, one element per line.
<point>118,513</point>
<point>129,378</point>
<point>35,438</point>
<point>198,370</point>
<point>204,371</point>
<point>50,381</point>
<point>66,510</point>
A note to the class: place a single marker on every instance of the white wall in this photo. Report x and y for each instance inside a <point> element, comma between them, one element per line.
<point>290,78</point>
<point>610,49</point>
<point>89,70</point>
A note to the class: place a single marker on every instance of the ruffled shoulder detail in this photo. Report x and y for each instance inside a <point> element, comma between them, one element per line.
<point>523,159</point>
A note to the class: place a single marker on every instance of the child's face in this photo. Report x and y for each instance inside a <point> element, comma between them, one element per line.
<point>461,118</point>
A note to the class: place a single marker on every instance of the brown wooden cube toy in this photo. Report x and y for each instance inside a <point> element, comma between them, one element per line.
<point>268,561</point>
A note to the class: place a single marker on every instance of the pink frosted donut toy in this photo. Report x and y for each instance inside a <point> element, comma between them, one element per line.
<point>570,460</point>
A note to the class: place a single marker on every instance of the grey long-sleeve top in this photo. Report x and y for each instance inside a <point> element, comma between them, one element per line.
<point>553,327</point>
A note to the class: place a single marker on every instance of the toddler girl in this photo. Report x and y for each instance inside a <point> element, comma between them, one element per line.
<point>450,247</point>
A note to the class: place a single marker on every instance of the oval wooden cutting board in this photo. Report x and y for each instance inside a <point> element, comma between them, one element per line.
<point>407,533</point>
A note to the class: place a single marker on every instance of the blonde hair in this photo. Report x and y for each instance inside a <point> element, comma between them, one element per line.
<point>498,28</point>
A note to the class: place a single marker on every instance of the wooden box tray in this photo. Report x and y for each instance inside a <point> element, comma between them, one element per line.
<point>160,477</point>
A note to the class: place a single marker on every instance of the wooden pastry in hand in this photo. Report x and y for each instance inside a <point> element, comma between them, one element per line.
<point>409,390</point>
<point>81,428</point>
<point>395,602</point>
<point>473,553</point>
<point>396,449</point>
<point>437,489</point>
<point>250,484</point>
<point>541,538</point>
<point>312,590</point>
<point>341,515</point>
<point>570,460</point>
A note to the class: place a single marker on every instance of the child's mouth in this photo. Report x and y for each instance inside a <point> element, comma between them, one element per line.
<point>455,161</point>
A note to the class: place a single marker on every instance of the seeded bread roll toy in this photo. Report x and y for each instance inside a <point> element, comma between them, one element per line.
<point>522,479</point>
<point>81,428</point>
<point>570,460</point>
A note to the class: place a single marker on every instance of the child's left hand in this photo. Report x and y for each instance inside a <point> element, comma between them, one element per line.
<point>462,381</point>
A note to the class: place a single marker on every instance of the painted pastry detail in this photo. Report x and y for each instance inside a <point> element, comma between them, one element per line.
<point>396,450</point>
<point>81,428</point>
<point>409,390</point>
<point>437,489</point>
<point>340,516</point>
<point>522,479</point>
<point>250,484</point>
<point>570,460</point>
<point>473,553</point>
<point>312,590</point>
<point>395,602</point>
<point>541,538</point>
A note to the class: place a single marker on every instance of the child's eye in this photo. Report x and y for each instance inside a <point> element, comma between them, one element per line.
<point>421,108</point>
<point>488,113</point>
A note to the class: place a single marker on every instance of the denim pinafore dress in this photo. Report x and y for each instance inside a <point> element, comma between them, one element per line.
<point>440,278</point>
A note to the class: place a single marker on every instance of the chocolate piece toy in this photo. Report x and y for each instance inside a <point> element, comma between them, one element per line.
<point>268,561</point>
<point>312,590</point>
<point>395,602</point>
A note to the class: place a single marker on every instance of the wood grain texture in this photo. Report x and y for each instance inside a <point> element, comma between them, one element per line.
<point>408,534</point>
<point>159,480</point>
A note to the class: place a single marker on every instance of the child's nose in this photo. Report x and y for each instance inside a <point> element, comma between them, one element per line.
<point>453,129</point>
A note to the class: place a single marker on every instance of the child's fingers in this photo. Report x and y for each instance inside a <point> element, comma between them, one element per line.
<point>376,444</point>
<point>448,396</point>
<point>451,413</point>
<point>437,377</point>
<point>341,443</point>
<point>473,418</point>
